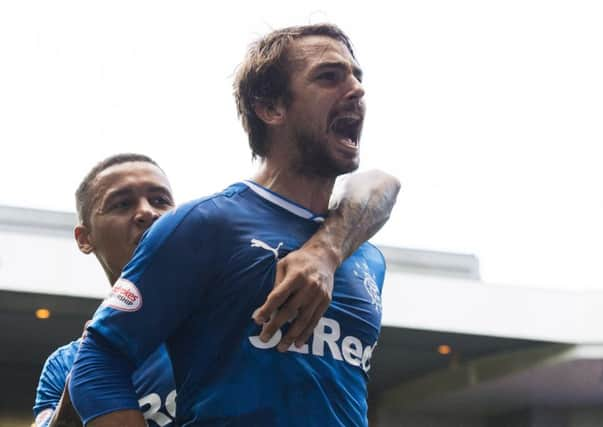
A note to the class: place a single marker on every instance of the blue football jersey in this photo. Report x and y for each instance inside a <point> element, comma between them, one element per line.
<point>153,382</point>
<point>194,282</point>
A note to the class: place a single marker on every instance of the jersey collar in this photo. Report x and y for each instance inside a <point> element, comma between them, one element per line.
<point>284,203</point>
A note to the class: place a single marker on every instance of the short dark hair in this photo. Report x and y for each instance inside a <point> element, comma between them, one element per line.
<point>263,76</point>
<point>83,194</point>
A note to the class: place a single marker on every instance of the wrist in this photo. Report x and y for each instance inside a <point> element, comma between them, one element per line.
<point>326,252</point>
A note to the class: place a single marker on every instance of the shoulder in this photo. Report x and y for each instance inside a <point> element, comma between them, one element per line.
<point>204,213</point>
<point>63,357</point>
<point>183,233</point>
<point>185,223</point>
<point>372,254</point>
<point>372,261</point>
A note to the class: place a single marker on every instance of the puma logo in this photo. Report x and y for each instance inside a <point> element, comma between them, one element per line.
<point>255,243</point>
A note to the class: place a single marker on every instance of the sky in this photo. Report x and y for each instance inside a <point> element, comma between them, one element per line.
<point>489,113</point>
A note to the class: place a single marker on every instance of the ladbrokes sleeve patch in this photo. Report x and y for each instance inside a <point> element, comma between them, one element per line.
<point>124,296</point>
<point>43,417</point>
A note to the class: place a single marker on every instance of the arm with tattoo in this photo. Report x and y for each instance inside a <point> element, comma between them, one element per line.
<point>304,278</point>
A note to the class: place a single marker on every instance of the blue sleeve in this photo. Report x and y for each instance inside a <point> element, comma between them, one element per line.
<point>159,288</point>
<point>50,386</point>
<point>108,390</point>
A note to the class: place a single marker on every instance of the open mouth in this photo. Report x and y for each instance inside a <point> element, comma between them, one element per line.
<point>347,128</point>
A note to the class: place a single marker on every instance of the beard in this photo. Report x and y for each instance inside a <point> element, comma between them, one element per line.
<point>315,159</point>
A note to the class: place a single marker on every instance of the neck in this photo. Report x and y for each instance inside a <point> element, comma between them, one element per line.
<point>111,275</point>
<point>112,278</point>
<point>311,192</point>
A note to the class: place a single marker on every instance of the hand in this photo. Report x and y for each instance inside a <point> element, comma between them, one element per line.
<point>302,293</point>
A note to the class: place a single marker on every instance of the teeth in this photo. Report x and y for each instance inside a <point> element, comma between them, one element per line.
<point>347,127</point>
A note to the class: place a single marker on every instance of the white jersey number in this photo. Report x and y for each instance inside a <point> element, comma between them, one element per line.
<point>153,413</point>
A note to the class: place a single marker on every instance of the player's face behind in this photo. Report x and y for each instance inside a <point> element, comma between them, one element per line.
<point>127,199</point>
<point>326,111</point>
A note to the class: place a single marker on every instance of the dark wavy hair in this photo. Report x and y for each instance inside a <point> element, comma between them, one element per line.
<point>263,76</point>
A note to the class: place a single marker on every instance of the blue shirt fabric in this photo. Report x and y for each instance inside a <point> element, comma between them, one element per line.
<point>153,382</point>
<point>194,282</point>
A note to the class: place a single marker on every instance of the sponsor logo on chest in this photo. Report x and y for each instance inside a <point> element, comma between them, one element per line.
<point>327,335</point>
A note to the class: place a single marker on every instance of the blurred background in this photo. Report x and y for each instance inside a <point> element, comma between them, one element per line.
<point>490,114</point>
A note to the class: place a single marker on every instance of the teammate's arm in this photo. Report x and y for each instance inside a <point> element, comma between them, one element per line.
<point>100,386</point>
<point>163,283</point>
<point>51,407</point>
<point>304,278</point>
<point>64,415</point>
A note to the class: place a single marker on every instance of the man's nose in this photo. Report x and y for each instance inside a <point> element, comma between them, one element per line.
<point>145,214</point>
<point>355,90</point>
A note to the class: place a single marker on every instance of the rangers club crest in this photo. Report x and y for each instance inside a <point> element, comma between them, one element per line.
<point>362,271</point>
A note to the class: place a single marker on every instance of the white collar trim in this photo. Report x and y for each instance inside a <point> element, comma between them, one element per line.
<point>282,202</point>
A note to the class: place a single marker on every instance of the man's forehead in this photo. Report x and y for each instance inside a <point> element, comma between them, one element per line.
<point>317,49</point>
<point>127,174</point>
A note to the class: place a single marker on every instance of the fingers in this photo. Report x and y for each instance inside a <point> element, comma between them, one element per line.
<point>301,338</point>
<point>304,310</point>
<point>287,312</point>
<point>275,299</point>
<point>302,294</point>
<point>299,325</point>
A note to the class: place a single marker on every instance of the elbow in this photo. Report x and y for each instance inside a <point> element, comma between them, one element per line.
<point>387,182</point>
<point>394,184</point>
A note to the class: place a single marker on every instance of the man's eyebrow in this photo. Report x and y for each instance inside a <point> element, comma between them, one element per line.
<point>356,70</point>
<point>127,191</point>
<point>163,190</point>
<point>159,189</point>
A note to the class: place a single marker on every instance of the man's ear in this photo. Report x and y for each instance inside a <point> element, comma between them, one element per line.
<point>271,112</point>
<point>82,237</point>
